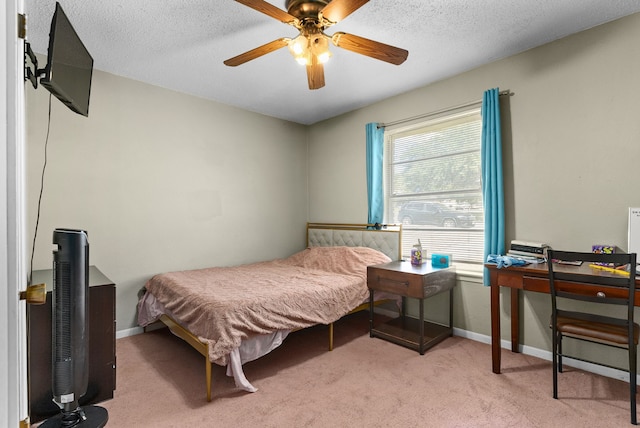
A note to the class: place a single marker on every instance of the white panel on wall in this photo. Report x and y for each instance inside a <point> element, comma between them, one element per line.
<point>634,230</point>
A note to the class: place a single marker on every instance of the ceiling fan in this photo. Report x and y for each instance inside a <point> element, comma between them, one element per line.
<point>311,46</point>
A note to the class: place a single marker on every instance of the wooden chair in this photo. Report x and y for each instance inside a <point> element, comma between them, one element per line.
<point>597,286</point>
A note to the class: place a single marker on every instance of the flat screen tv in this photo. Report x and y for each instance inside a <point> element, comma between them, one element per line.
<point>69,68</point>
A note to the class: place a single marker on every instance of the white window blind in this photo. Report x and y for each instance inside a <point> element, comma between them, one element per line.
<point>433,185</point>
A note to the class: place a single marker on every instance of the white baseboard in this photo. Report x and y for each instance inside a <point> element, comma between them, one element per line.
<point>483,338</point>
<point>546,355</point>
<point>128,332</point>
<point>138,330</point>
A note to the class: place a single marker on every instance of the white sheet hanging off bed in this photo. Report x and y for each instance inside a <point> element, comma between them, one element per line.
<point>150,310</point>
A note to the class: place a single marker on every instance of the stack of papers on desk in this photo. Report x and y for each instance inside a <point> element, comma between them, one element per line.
<point>532,252</point>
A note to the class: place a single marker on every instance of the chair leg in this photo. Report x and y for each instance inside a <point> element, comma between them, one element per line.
<point>632,383</point>
<point>560,352</point>
<point>554,340</point>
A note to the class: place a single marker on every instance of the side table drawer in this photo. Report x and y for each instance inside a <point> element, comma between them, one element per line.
<point>395,282</point>
<point>409,284</point>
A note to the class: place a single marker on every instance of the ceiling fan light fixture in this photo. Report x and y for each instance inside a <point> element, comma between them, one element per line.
<point>320,48</point>
<point>324,57</point>
<point>299,48</point>
<point>311,47</point>
<point>306,46</point>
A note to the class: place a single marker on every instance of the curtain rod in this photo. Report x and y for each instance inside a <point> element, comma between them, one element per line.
<point>433,113</point>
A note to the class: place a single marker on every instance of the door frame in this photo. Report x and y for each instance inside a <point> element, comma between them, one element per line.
<point>13,355</point>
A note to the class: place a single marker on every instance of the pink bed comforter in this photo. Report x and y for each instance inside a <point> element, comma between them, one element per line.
<point>224,305</point>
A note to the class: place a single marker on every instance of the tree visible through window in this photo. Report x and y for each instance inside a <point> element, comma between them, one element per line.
<point>433,185</point>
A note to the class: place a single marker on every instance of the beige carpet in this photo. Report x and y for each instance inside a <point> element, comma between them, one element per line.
<point>364,382</point>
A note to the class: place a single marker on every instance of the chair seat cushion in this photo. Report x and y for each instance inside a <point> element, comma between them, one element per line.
<point>592,330</point>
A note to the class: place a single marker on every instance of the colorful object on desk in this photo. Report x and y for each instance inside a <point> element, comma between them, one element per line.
<point>440,260</point>
<point>622,270</point>
<point>416,254</point>
<point>604,249</point>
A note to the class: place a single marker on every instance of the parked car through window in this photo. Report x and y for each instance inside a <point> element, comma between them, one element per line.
<point>434,214</point>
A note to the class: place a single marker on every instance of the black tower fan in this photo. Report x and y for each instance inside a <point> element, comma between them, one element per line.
<point>70,332</point>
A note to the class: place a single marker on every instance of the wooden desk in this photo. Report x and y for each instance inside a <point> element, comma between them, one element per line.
<point>534,277</point>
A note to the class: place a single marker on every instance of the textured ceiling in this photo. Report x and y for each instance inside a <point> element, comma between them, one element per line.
<point>181,44</point>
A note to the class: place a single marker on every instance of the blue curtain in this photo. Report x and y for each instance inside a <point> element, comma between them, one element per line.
<point>492,186</point>
<point>375,150</point>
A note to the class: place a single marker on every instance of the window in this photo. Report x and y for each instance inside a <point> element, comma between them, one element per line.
<point>433,185</point>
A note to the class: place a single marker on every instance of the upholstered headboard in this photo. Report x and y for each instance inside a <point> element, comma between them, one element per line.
<point>387,240</point>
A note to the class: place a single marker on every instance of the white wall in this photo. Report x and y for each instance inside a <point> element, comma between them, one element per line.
<point>164,181</point>
<point>570,156</point>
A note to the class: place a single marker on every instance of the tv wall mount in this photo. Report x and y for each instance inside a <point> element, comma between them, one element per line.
<point>29,74</point>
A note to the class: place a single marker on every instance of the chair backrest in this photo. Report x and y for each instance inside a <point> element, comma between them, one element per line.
<point>593,281</point>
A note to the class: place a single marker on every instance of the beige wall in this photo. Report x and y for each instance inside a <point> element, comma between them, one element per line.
<point>164,181</point>
<point>570,157</point>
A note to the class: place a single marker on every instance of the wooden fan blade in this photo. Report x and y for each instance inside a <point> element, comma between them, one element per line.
<point>370,48</point>
<point>338,10</point>
<point>257,52</point>
<point>269,9</point>
<point>315,74</point>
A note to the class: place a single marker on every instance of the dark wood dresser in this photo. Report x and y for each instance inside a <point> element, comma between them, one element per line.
<point>408,281</point>
<point>102,345</point>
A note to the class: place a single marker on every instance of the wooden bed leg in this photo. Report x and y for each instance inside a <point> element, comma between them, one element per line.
<point>208,374</point>
<point>331,337</point>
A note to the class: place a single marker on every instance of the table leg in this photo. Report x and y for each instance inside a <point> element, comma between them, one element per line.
<point>421,327</point>
<point>451,310</point>
<point>371,312</point>
<point>495,324</point>
<point>515,320</point>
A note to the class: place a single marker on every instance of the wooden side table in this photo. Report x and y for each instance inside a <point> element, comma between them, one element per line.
<point>419,282</point>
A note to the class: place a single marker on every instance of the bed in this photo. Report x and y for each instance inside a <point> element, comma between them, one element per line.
<point>233,315</point>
